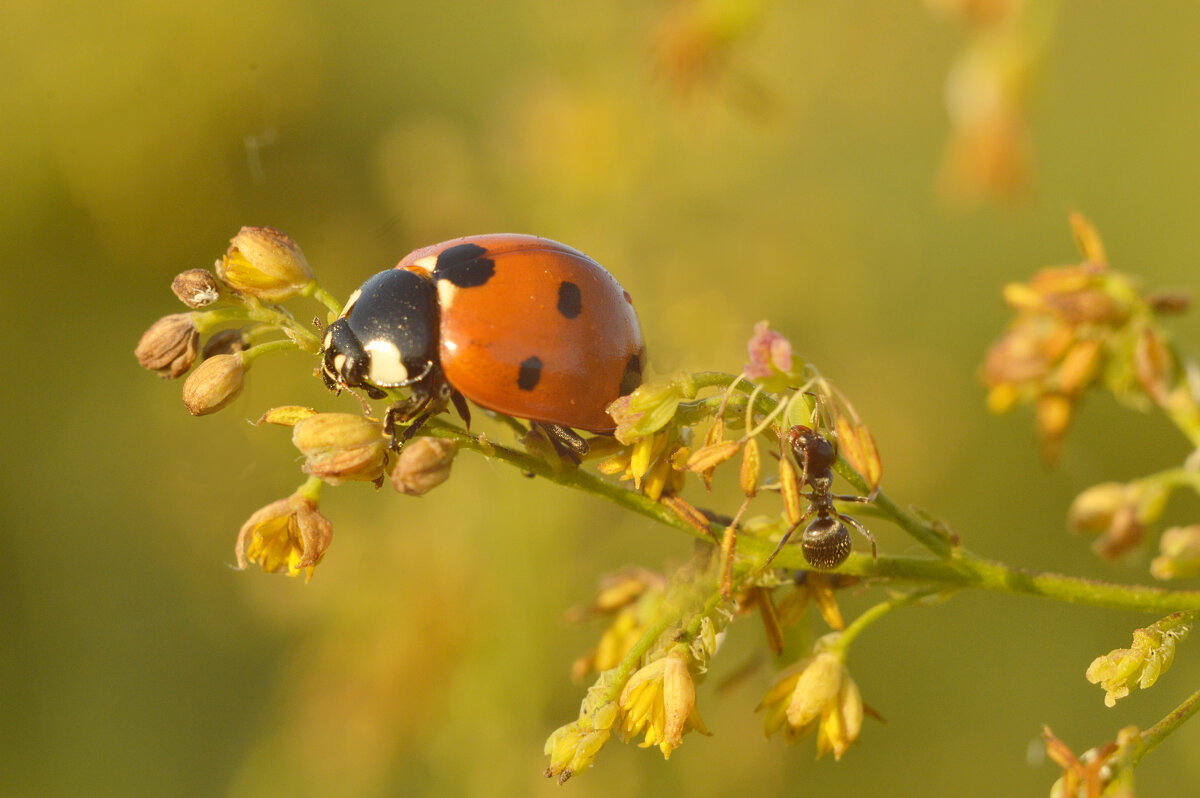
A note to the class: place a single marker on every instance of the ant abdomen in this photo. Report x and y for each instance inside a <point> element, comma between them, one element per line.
<point>826,543</point>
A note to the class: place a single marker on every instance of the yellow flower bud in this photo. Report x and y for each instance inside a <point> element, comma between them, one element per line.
<point>265,263</point>
<point>341,446</point>
<point>169,347</point>
<point>751,463</point>
<point>214,384</point>
<point>1179,556</point>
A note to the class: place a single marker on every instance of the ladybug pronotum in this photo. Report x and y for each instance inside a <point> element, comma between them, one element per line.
<point>518,324</point>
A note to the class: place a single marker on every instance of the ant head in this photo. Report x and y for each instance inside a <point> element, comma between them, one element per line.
<point>826,542</point>
<point>812,450</point>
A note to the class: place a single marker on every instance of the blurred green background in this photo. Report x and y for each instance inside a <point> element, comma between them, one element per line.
<point>728,162</point>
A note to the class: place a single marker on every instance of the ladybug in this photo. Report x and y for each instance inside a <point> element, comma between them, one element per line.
<point>518,324</point>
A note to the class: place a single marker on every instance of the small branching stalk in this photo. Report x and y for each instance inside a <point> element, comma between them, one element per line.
<point>809,475</point>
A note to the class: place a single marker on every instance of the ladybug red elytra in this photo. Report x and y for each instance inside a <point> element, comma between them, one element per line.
<point>518,324</point>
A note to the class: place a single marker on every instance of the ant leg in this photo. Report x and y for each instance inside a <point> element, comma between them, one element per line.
<point>862,529</point>
<point>857,499</point>
<point>783,541</point>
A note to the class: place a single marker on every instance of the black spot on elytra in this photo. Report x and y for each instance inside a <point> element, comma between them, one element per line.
<point>464,266</point>
<point>530,373</point>
<point>632,377</point>
<point>570,301</point>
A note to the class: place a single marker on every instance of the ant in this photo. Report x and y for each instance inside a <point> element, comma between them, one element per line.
<point>826,540</point>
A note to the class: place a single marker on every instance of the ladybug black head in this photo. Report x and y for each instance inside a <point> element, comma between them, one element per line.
<point>387,337</point>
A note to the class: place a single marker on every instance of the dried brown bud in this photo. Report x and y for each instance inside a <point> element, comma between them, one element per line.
<point>1087,239</point>
<point>169,346</point>
<point>1053,413</point>
<point>286,415</point>
<point>214,384</point>
<point>1169,302</point>
<point>265,263</point>
<point>341,447</point>
<point>196,288</point>
<point>1079,367</point>
<point>423,464</point>
<point>1154,365</point>
<point>226,342</point>
<point>750,467</point>
<point>711,456</point>
<point>858,445</point>
<point>789,486</point>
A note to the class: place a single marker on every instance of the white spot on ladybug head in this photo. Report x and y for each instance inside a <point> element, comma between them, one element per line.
<point>446,293</point>
<point>350,302</point>
<point>327,341</point>
<point>339,363</point>
<point>386,367</point>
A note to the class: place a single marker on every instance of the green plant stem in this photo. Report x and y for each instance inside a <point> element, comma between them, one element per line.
<point>207,320</point>
<point>1160,731</point>
<point>960,570</point>
<point>865,619</point>
<point>311,489</point>
<point>327,299</point>
<point>270,347</point>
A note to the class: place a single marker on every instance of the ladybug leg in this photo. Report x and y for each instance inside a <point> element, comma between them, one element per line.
<point>460,404</point>
<point>566,440</point>
<point>412,411</point>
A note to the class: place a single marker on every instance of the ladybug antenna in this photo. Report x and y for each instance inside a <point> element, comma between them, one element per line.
<point>424,373</point>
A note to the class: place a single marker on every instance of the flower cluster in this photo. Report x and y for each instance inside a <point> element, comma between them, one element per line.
<point>659,640</point>
<point>1076,327</point>
<point>661,636</point>
<point>238,309</point>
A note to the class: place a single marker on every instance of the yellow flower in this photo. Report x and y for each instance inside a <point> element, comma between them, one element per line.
<point>817,693</point>
<point>659,701</point>
<point>265,263</point>
<point>289,535</point>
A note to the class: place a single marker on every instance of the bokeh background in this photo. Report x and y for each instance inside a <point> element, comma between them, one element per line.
<point>729,161</point>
